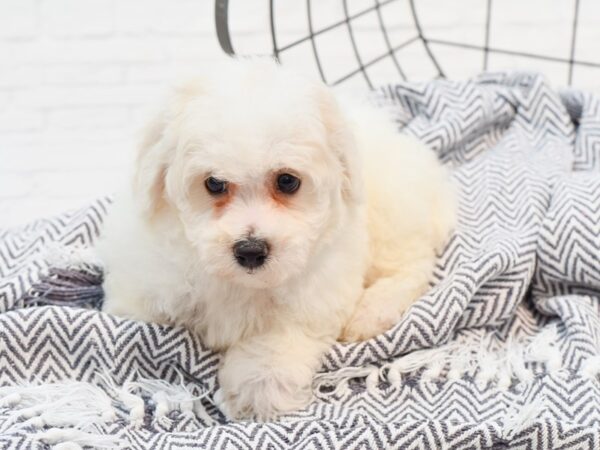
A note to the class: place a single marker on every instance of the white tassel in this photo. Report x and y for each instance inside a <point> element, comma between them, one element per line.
<point>489,362</point>
<point>162,404</point>
<point>488,368</point>
<point>423,358</point>
<point>372,380</point>
<point>10,400</point>
<point>515,357</point>
<point>504,378</point>
<point>461,359</point>
<point>543,348</point>
<point>67,446</point>
<point>133,403</point>
<point>521,417</point>
<point>434,370</point>
<point>200,412</point>
<point>394,377</point>
<point>176,393</point>
<point>72,403</point>
<point>338,379</point>
<point>74,409</point>
<point>75,439</point>
<point>173,397</point>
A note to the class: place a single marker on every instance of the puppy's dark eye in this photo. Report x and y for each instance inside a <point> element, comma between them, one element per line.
<point>288,184</point>
<point>215,186</point>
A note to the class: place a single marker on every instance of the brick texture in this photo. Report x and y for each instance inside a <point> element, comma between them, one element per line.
<point>77,77</point>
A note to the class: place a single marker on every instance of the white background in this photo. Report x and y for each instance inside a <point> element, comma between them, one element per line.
<point>77,76</point>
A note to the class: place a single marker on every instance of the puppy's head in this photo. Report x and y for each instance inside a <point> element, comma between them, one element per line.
<point>258,166</point>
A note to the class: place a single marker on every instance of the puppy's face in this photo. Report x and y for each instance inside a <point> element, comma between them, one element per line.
<point>259,176</point>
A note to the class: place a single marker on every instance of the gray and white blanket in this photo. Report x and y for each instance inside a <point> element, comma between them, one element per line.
<point>502,352</point>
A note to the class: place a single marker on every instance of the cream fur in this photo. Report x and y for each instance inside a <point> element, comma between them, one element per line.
<point>349,252</point>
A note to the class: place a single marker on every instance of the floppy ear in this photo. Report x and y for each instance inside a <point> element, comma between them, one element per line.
<point>151,168</point>
<point>156,152</point>
<point>342,143</point>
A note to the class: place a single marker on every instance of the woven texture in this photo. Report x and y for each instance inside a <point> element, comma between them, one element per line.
<point>516,291</point>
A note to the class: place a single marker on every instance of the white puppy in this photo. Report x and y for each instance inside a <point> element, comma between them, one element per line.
<point>253,222</point>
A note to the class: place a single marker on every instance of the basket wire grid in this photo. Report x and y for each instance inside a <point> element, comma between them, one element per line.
<point>362,66</point>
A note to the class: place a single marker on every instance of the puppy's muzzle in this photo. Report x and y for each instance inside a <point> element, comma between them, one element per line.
<point>251,253</point>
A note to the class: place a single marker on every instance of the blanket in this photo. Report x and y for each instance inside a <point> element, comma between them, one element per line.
<point>502,352</point>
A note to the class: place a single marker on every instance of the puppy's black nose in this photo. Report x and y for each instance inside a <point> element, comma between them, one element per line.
<point>251,252</point>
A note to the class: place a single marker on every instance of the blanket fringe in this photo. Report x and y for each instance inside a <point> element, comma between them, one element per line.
<point>73,278</point>
<point>487,363</point>
<point>72,413</point>
<point>72,403</point>
<point>72,439</point>
<point>521,417</point>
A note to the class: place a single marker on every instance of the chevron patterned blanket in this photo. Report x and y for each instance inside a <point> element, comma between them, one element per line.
<point>502,352</point>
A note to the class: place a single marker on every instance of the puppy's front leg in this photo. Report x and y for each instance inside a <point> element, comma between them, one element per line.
<point>269,374</point>
<point>384,302</point>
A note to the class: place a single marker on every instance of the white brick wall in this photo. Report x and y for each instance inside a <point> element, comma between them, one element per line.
<point>19,19</point>
<point>77,75</point>
<point>75,79</point>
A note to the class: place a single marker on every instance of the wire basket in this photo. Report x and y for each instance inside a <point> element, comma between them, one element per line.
<point>408,37</point>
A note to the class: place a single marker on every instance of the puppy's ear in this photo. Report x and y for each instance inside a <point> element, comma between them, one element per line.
<point>156,151</point>
<point>342,142</point>
<point>151,168</point>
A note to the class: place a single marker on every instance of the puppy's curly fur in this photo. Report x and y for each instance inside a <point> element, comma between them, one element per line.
<point>343,256</point>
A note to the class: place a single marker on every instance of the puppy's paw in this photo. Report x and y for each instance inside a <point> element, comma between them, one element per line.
<point>263,386</point>
<point>366,323</point>
<point>263,399</point>
<point>382,306</point>
<point>377,312</point>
